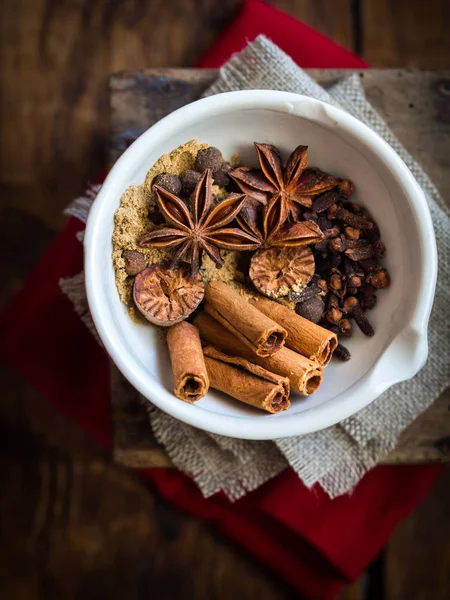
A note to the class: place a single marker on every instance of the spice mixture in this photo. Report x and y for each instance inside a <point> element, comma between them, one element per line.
<point>283,259</point>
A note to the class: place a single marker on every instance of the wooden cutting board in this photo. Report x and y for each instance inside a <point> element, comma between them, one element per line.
<point>415,104</point>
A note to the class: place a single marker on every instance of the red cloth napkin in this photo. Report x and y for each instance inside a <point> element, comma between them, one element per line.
<point>316,544</point>
<point>306,46</point>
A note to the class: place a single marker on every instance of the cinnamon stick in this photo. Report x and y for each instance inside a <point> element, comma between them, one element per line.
<point>188,363</point>
<point>309,339</point>
<point>246,381</point>
<point>257,331</point>
<point>305,376</point>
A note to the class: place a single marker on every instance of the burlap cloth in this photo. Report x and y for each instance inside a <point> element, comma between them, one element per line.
<point>337,457</point>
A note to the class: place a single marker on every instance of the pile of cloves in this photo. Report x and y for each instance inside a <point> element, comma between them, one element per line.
<point>348,273</point>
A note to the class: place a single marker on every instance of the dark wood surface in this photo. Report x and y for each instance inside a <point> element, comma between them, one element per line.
<point>405,33</point>
<point>74,525</point>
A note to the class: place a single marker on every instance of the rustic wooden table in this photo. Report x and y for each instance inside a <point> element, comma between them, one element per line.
<point>415,104</point>
<point>74,524</point>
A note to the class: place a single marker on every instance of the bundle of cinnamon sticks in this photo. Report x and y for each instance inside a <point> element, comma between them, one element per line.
<point>255,351</point>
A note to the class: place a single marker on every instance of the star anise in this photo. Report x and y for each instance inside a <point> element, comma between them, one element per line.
<point>295,185</point>
<point>269,225</point>
<point>204,229</point>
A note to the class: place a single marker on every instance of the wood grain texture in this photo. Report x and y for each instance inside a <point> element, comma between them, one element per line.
<point>417,558</point>
<point>137,101</point>
<point>416,106</point>
<point>56,59</point>
<point>406,33</point>
<point>75,526</point>
<point>333,18</point>
<point>133,440</point>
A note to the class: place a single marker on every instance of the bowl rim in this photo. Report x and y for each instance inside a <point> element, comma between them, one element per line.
<point>412,336</point>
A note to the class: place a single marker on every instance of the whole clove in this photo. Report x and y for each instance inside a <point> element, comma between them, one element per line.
<point>362,321</point>
<point>369,264</point>
<point>352,268</point>
<point>357,209</point>
<point>379,278</point>
<point>353,244</point>
<point>379,249</point>
<point>325,264</point>
<point>354,273</point>
<point>352,233</point>
<point>345,327</point>
<point>353,308</point>
<point>324,222</point>
<point>367,300</point>
<point>355,281</point>
<point>349,218</point>
<point>337,244</point>
<point>322,284</point>
<point>333,301</point>
<point>324,201</point>
<point>342,353</point>
<point>332,232</point>
<point>337,282</point>
<point>368,287</point>
<point>310,215</point>
<point>373,234</point>
<point>333,314</point>
<point>361,252</point>
<point>331,211</point>
<point>349,303</point>
<point>346,187</point>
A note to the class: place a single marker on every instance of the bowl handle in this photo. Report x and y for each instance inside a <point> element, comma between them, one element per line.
<point>404,358</point>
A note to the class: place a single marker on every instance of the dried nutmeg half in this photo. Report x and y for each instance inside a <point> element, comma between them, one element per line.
<point>277,271</point>
<point>166,296</point>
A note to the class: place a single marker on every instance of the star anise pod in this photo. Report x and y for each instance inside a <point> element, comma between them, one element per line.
<point>295,185</point>
<point>204,229</point>
<point>269,225</point>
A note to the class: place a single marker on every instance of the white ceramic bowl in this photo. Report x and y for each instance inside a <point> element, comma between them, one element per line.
<point>339,144</point>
